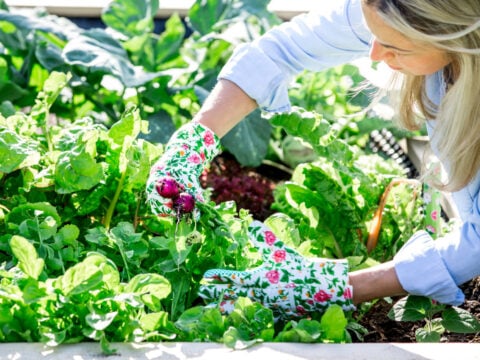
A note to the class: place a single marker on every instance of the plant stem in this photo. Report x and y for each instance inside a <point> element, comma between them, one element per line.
<point>113,203</point>
<point>377,218</point>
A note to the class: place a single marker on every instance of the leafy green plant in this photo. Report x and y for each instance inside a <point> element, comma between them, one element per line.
<point>82,256</point>
<point>333,198</point>
<point>166,75</point>
<point>437,318</point>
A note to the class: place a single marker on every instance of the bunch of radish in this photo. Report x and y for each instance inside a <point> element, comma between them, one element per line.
<point>183,202</point>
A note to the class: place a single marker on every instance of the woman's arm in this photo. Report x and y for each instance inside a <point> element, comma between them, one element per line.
<point>375,282</point>
<point>226,106</point>
<point>259,74</point>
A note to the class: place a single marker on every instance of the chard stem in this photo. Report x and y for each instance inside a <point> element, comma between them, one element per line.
<point>113,203</point>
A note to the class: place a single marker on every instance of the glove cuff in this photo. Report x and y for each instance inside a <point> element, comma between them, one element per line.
<point>196,140</point>
<point>329,286</point>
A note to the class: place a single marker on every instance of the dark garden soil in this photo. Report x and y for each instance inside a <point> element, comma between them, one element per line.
<point>252,188</point>
<point>381,329</point>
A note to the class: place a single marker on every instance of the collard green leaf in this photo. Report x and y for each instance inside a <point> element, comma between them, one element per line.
<point>248,141</point>
<point>204,14</point>
<point>131,17</point>
<point>95,51</point>
<point>17,27</point>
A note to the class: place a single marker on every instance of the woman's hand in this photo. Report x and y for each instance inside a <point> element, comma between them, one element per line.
<point>288,283</point>
<point>173,185</point>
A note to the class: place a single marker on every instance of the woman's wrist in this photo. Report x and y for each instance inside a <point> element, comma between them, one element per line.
<point>375,282</point>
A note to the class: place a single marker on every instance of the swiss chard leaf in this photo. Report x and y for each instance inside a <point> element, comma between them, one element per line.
<point>16,151</point>
<point>28,260</point>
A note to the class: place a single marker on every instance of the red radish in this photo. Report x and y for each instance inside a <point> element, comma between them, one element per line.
<point>184,203</point>
<point>168,187</point>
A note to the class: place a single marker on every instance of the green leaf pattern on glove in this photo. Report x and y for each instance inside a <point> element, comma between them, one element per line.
<point>288,283</point>
<point>186,154</point>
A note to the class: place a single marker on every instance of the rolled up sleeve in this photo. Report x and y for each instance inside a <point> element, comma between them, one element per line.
<point>334,35</point>
<point>435,268</point>
<point>421,270</point>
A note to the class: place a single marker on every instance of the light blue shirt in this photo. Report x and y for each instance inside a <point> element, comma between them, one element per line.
<point>333,35</point>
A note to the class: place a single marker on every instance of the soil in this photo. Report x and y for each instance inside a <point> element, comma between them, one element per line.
<point>252,189</point>
<point>381,329</point>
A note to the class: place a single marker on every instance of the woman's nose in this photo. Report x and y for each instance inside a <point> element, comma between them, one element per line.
<point>378,52</point>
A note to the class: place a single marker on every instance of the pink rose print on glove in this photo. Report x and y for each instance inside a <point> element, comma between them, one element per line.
<point>195,159</point>
<point>273,276</point>
<point>347,294</point>
<point>321,296</point>
<point>434,215</point>
<point>279,256</point>
<point>270,237</point>
<point>208,139</point>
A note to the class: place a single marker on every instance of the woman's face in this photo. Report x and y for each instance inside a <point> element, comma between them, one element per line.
<point>398,52</point>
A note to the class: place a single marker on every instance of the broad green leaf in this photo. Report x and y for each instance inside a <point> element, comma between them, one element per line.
<point>431,332</point>
<point>130,124</point>
<point>52,87</point>
<point>204,14</point>
<point>333,323</point>
<point>312,128</point>
<point>29,211</point>
<point>32,290</point>
<point>159,52</point>
<point>150,287</point>
<point>100,322</point>
<point>458,320</point>
<point>169,45</point>
<point>248,141</point>
<point>410,308</point>
<point>17,152</point>
<point>153,321</point>
<point>51,337</point>
<point>131,17</point>
<point>77,170</point>
<point>100,53</point>
<point>305,331</point>
<point>234,340</point>
<point>94,272</point>
<point>50,56</point>
<point>28,260</point>
<point>68,234</point>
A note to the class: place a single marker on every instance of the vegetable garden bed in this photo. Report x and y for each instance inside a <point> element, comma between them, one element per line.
<point>85,114</point>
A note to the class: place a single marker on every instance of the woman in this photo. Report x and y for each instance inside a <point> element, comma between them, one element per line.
<point>434,49</point>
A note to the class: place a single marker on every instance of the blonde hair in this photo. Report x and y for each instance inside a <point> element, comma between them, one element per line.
<point>453,26</point>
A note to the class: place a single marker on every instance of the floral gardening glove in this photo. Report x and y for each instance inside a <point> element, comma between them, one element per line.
<point>289,284</point>
<point>178,170</point>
